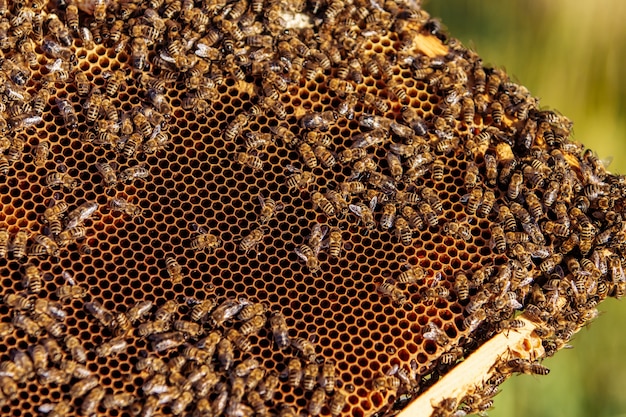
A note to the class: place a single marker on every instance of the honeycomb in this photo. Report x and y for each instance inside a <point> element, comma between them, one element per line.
<point>278,208</point>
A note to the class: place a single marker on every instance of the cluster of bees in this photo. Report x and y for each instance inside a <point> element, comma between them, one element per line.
<point>384,129</point>
<point>200,352</point>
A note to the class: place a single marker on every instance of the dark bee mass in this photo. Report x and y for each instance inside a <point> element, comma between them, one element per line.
<point>204,204</point>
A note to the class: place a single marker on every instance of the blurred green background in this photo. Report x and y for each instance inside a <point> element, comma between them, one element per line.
<point>572,55</point>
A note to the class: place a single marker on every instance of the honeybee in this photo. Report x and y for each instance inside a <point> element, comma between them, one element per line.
<point>133,173</point>
<point>141,122</point>
<point>99,312</point>
<point>506,218</point>
<point>78,216</point>
<point>204,241</point>
<point>166,341</point>
<point>112,347</point>
<point>429,215</point>
<point>352,187</point>
<point>251,241</point>
<point>526,367</point>
<point>386,383</point>
<point>327,376</point>
<point>44,246</point>
<point>118,401</point>
<point>334,243</point>
<point>551,192</point>
<point>41,153</point>
<point>49,308</point>
<point>255,140</point>
<point>202,309</point>
<point>403,231</point>
<point>489,199</point>
<point>249,160</point>
<point>395,165</point>
<point>339,202</point>
<point>285,135</point>
<point>515,185</point>
<point>56,51</point>
<point>253,325</point>
<point>159,102</point>
<point>434,333</point>
<point>318,120</point>
<point>235,126</point>
<point>294,372</point>
<point>239,340</point>
<point>317,402</point>
<point>6,329</point>
<point>189,328</point>
<point>139,53</point>
<point>18,245</point>
<point>307,254</point>
<point>59,409</point>
<point>27,324</point>
<point>308,156</point>
<point>245,367</point>
<point>174,270</point>
<point>268,209</point>
<point>32,279</point>
<point>372,138</point>
<point>365,213</point>
<point>498,239</point>
<point>227,310</point>
<point>114,79</point>
<point>153,327</point>
<point>70,235</point>
<point>251,310</point>
<point>58,30</point>
<point>324,156</point>
<point>461,286</point>
<point>131,145</point>
<point>474,200</point>
<point>279,328</point>
<point>93,105</point>
<point>389,289</point>
<point>61,180</point>
<point>4,166</point>
<point>4,242</point>
<point>70,292</point>
<point>17,302</point>
<point>458,231</point>
<point>472,321</point>
<point>117,204</point>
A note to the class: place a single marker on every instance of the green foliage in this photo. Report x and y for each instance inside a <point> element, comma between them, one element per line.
<point>573,56</point>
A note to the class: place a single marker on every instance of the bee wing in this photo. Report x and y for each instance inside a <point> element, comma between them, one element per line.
<point>300,254</point>
<point>393,370</point>
<point>373,203</point>
<point>46,408</point>
<point>358,141</point>
<point>292,168</point>
<point>68,278</point>
<point>430,335</point>
<point>358,210</point>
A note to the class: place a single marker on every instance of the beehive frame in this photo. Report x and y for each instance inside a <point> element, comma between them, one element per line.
<point>200,156</point>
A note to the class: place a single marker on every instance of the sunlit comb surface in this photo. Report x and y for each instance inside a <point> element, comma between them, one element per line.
<point>278,209</point>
